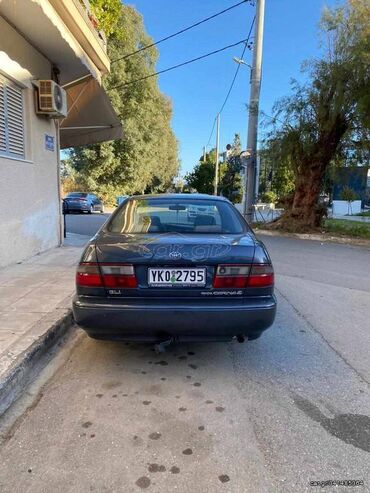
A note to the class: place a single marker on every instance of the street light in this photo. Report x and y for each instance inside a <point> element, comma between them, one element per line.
<point>241,62</point>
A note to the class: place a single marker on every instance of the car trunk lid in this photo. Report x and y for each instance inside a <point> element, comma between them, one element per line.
<point>174,251</point>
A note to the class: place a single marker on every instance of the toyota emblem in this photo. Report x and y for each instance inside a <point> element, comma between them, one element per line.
<point>175,255</point>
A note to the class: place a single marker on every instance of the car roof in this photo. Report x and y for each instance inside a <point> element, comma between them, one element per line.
<point>181,196</point>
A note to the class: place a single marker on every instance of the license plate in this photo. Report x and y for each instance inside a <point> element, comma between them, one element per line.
<point>177,277</point>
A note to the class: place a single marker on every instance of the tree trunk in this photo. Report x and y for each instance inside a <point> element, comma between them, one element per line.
<point>305,213</point>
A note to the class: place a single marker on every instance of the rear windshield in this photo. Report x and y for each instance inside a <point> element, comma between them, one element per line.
<point>76,194</point>
<point>176,215</point>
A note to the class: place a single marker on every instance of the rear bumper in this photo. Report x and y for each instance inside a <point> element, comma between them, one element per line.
<point>78,208</point>
<point>185,321</point>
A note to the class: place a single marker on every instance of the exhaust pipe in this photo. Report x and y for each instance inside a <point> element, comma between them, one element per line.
<point>161,347</point>
<point>240,339</point>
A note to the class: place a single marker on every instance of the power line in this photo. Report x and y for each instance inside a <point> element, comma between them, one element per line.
<point>233,81</point>
<point>211,134</point>
<point>179,32</point>
<point>178,65</point>
<point>238,67</point>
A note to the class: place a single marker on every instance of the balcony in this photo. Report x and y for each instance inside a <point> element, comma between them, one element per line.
<point>62,31</point>
<point>78,18</point>
<point>86,12</point>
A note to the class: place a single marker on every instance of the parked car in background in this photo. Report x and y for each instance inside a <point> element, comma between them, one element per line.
<point>82,202</point>
<point>194,210</point>
<point>151,274</point>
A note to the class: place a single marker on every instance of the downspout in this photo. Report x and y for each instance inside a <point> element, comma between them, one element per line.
<point>55,72</point>
<point>60,225</point>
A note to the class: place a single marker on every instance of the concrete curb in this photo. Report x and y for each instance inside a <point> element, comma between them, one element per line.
<point>23,368</point>
<point>323,238</point>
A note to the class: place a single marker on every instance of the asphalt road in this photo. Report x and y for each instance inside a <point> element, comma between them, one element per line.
<point>85,224</point>
<point>266,416</point>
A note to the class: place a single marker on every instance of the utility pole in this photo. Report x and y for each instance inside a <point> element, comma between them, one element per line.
<point>250,174</point>
<point>204,154</point>
<point>217,152</point>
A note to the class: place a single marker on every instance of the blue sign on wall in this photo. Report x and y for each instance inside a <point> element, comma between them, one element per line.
<point>49,142</point>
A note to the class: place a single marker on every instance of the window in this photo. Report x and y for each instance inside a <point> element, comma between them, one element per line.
<point>77,194</point>
<point>11,119</point>
<point>176,215</point>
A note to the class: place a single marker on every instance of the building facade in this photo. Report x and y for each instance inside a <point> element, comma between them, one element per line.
<point>45,40</point>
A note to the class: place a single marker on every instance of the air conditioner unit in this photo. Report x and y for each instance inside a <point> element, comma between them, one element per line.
<point>51,99</point>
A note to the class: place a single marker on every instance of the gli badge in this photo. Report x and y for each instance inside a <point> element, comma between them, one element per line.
<point>175,255</point>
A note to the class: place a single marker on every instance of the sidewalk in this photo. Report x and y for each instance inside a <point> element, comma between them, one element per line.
<point>321,237</point>
<point>35,310</point>
<point>363,219</point>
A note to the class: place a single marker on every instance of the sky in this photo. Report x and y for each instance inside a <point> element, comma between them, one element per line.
<point>198,90</point>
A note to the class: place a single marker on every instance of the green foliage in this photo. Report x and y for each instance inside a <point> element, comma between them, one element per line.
<point>202,177</point>
<point>269,197</point>
<point>349,228</point>
<point>230,183</point>
<point>348,194</point>
<point>324,121</point>
<point>276,172</point>
<point>107,13</point>
<point>145,160</point>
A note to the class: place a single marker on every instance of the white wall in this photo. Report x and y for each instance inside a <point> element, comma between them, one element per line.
<point>341,207</point>
<point>29,198</point>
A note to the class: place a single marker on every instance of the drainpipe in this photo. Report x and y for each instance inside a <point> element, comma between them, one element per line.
<point>60,225</point>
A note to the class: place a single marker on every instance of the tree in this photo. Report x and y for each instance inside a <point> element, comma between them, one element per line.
<point>349,195</point>
<point>321,116</point>
<point>145,160</point>
<point>202,178</point>
<point>276,171</point>
<point>230,184</point>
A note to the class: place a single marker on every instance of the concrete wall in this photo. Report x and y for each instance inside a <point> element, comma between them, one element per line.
<point>342,208</point>
<point>29,197</point>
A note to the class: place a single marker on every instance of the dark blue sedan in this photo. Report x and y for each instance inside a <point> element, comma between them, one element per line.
<point>153,273</point>
<point>82,202</point>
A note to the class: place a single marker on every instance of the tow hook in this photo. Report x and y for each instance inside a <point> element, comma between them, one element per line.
<point>161,347</point>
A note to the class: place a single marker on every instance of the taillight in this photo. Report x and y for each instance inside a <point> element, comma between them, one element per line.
<point>231,276</point>
<point>261,275</point>
<point>88,275</point>
<point>118,276</point>
<point>243,276</point>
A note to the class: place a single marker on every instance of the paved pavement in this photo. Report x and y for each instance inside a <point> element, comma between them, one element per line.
<point>35,302</point>
<point>33,289</point>
<point>267,416</point>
